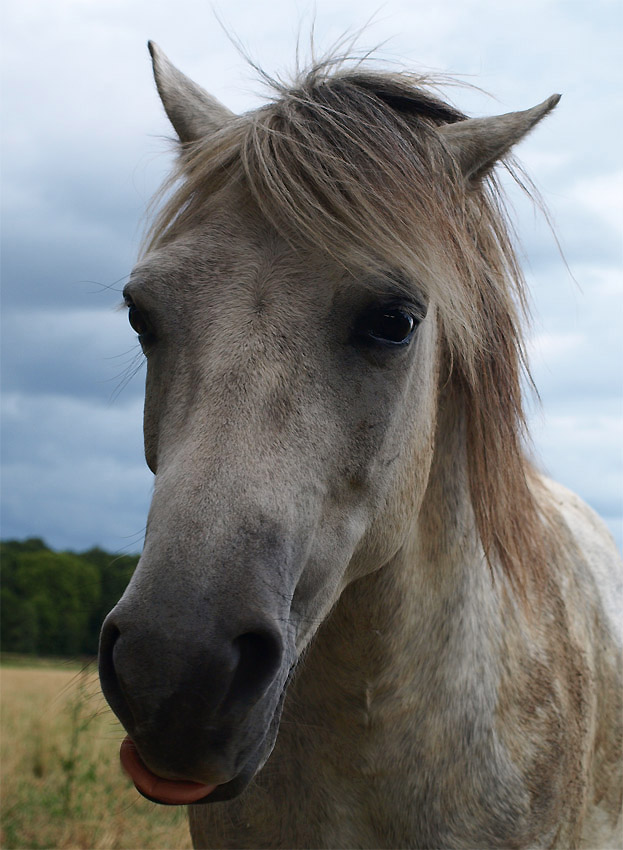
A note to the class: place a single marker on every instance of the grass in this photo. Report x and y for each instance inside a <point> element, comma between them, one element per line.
<point>62,786</point>
<point>15,659</point>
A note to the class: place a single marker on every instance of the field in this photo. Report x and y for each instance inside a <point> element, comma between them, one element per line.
<point>62,786</point>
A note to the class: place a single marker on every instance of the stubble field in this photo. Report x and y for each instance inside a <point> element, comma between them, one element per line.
<point>62,786</point>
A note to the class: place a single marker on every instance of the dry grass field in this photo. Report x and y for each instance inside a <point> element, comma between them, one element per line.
<point>62,786</point>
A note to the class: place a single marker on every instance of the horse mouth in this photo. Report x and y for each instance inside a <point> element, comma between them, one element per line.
<point>169,792</point>
<point>176,792</point>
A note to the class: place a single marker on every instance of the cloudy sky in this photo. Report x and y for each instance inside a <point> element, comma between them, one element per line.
<point>84,147</point>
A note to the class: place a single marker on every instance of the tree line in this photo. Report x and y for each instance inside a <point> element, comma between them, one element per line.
<point>53,603</point>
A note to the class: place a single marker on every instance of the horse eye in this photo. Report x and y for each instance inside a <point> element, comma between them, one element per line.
<point>387,325</point>
<point>137,320</point>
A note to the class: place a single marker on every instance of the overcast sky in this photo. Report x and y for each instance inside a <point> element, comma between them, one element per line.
<point>84,148</point>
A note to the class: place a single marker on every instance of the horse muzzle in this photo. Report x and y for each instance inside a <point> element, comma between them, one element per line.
<point>201,703</point>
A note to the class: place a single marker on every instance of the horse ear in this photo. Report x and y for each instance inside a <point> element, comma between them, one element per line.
<point>478,143</point>
<point>192,111</point>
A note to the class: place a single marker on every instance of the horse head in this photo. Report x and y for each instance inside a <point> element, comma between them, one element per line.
<point>298,306</point>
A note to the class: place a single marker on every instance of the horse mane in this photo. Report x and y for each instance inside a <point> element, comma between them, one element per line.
<point>350,162</point>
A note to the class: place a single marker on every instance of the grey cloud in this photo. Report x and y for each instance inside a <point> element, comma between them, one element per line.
<point>74,472</point>
<point>77,353</point>
<point>582,451</point>
<point>82,155</point>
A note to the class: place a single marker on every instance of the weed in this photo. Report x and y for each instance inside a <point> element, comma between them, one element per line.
<point>73,764</point>
<point>62,785</point>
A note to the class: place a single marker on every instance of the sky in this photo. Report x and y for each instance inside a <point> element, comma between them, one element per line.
<point>85,145</point>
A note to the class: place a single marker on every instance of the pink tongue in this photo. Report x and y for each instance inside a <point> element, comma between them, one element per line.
<point>169,791</point>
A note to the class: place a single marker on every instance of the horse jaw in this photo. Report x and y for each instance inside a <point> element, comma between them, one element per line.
<point>192,111</point>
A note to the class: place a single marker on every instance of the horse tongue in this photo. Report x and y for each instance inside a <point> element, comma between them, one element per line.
<point>169,791</point>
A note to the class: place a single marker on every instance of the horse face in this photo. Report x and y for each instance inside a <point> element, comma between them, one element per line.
<point>288,420</point>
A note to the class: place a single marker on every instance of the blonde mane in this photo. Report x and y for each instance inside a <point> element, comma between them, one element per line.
<point>350,162</point>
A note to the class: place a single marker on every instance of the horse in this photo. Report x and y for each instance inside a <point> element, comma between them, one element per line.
<point>362,618</point>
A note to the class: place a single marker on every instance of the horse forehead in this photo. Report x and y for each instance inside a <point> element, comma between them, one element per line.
<point>232,255</point>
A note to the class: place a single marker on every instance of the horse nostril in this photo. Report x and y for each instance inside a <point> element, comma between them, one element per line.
<point>109,680</point>
<point>108,637</point>
<point>144,673</point>
<point>259,659</point>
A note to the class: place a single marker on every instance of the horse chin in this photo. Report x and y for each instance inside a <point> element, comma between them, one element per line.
<point>228,791</point>
<point>254,763</point>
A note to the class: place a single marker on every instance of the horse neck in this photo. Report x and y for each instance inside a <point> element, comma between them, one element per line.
<point>403,634</point>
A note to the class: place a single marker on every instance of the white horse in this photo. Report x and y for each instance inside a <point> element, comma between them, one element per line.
<point>361,619</point>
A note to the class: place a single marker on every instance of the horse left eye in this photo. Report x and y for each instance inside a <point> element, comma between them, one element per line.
<point>387,326</point>
<point>137,320</point>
